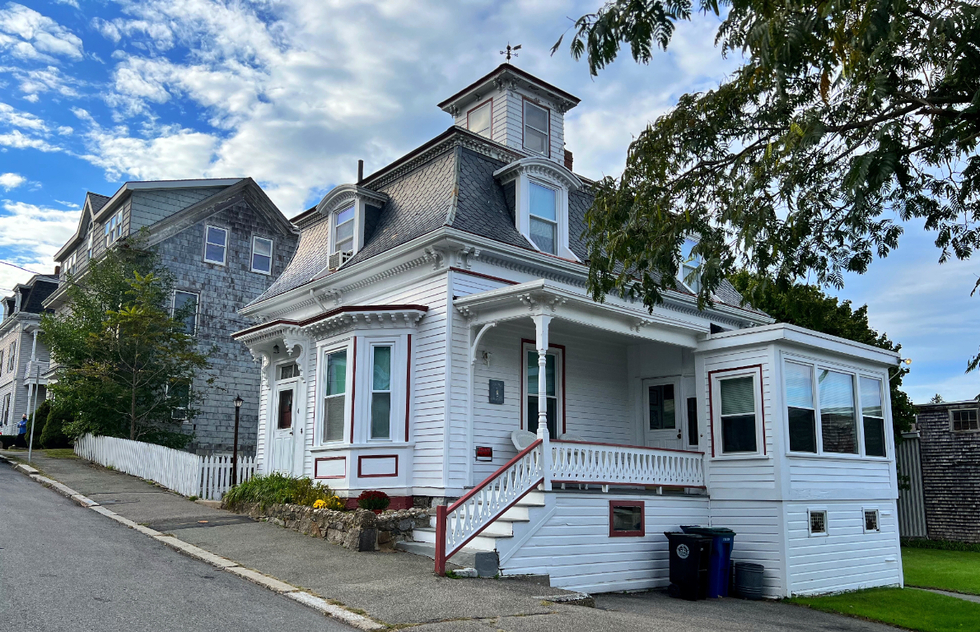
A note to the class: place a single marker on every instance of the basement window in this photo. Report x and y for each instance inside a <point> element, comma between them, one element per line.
<point>818,521</point>
<point>626,519</point>
<point>871,523</point>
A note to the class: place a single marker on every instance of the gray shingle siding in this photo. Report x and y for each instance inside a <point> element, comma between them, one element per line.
<point>149,207</point>
<point>223,291</point>
<point>950,474</point>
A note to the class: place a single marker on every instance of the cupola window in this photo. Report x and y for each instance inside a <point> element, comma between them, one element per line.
<point>536,128</point>
<point>690,269</point>
<point>478,119</point>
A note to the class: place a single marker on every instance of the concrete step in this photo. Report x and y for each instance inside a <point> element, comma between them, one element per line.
<point>463,559</point>
<point>502,527</point>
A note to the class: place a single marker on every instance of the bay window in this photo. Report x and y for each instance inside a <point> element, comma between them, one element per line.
<point>838,424</point>
<point>799,402</point>
<point>335,395</point>
<point>738,415</point>
<point>381,392</point>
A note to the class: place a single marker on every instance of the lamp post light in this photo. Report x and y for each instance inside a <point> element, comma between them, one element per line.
<point>234,448</point>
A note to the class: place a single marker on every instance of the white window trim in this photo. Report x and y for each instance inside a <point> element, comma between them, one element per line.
<point>524,125</point>
<point>224,252</point>
<point>758,394</point>
<point>272,250</point>
<point>523,202</point>
<point>864,521</point>
<point>320,419</point>
<point>370,390</point>
<point>856,374</point>
<point>826,522</point>
<point>558,352</point>
<point>197,307</point>
<point>355,222</point>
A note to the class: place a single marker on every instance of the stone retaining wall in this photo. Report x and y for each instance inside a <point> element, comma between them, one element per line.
<point>358,530</point>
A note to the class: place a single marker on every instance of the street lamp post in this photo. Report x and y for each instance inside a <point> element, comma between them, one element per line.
<point>234,448</point>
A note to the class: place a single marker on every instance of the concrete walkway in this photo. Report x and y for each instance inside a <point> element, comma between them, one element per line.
<point>400,589</point>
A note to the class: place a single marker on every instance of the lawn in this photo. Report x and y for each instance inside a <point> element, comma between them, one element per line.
<point>907,608</point>
<point>958,571</point>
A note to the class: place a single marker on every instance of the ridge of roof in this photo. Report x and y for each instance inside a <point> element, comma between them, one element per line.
<point>505,67</point>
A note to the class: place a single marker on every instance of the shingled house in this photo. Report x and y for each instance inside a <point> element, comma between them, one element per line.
<point>23,357</point>
<point>225,242</point>
<point>433,338</point>
<point>949,454</point>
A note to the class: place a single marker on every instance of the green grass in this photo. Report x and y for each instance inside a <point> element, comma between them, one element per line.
<point>907,608</point>
<point>60,453</point>
<point>958,571</point>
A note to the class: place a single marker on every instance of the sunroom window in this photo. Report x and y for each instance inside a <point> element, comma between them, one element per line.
<point>799,402</point>
<point>335,395</point>
<point>551,384</point>
<point>838,423</point>
<point>544,218</point>
<point>738,419</point>
<point>343,237</point>
<point>478,119</point>
<point>873,417</point>
<point>536,128</point>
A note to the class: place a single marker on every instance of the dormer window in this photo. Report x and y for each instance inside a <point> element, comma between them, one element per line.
<point>343,232</point>
<point>536,128</point>
<point>689,272</point>
<point>544,217</point>
<point>478,120</point>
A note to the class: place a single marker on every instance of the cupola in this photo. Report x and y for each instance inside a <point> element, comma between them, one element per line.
<point>516,109</point>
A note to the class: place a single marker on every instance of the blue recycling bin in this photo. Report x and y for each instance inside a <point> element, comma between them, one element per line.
<point>722,541</point>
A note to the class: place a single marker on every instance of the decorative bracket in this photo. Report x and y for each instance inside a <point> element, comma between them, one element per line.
<point>476,341</point>
<point>640,323</point>
<point>438,257</point>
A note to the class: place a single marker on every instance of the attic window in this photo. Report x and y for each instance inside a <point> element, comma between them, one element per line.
<point>343,236</point>
<point>544,218</point>
<point>690,268</point>
<point>536,129</point>
<point>478,119</point>
<point>215,245</point>
<point>261,255</point>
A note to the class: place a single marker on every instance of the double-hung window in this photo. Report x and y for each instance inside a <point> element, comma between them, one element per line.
<point>343,232</point>
<point>113,228</point>
<point>738,414</point>
<point>552,381</point>
<point>12,358</point>
<point>478,119</point>
<point>180,399</point>
<point>334,395</point>
<point>961,419</point>
<point>544,218</point>
<point>1,362</point>
<point>381,391</point>
<point>872,416</point>
<point>536,128</point>
<point>838,422</point>
<point>185,308</point>
<point>801,412</point>
<point>215,245</point>
<point>261,255</point>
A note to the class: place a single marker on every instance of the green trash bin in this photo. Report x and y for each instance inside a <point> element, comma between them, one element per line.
<point>689,558</point>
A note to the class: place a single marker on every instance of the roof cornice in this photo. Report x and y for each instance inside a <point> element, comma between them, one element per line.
<point>368,316</point>
<point>549,169</point>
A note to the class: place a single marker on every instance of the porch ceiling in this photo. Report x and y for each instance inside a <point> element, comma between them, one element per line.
<point>542,297</point>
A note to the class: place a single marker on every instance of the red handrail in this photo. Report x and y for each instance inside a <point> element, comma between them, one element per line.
<point>442,511</point>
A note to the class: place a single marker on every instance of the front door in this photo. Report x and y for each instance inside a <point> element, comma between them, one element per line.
<point>282,446</point>
<point>663,415</point>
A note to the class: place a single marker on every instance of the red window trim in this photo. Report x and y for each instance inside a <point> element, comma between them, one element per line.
<point>408,385</point>
<point>360,463</point>
<point>564,409</point>
<point>524,101</point>
<point>330,458</point>
<point>711,402</point>
<point>477,107</point>
<point>628,534</point>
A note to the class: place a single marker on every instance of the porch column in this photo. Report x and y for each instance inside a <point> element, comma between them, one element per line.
<point>541,323</point>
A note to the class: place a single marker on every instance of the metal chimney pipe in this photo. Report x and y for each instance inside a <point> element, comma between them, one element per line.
<point>360,171</point>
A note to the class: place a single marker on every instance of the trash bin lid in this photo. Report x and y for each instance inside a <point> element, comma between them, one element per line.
<point>708,531</point>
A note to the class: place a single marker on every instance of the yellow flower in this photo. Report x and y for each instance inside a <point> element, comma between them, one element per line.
<point>320,504</point>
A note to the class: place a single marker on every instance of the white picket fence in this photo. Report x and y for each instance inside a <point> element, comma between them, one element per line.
<point>185,473</point>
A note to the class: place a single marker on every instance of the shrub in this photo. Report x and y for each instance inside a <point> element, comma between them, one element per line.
<point>942,545</point>
<point>373,500</point>
<point>276,489</point>
<point>38,420</point>
<point>53,435</point>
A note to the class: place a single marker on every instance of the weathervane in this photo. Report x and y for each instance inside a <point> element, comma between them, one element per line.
<point>510,51</point>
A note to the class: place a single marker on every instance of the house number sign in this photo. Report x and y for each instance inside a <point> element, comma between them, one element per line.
<point>496,391</point>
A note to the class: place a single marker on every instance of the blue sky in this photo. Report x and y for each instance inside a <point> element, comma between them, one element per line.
<point>294,92</point>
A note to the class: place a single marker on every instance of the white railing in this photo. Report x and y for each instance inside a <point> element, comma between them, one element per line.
<point>182,472</point>
<point>582,462</point>
<point>467,517</point>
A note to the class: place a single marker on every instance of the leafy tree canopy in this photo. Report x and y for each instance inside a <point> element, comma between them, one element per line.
<point>844,120</point>
<point>807,306</point>
<point>124,363</point>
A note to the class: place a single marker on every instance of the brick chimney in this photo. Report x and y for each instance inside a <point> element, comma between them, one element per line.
<point>568,160</point>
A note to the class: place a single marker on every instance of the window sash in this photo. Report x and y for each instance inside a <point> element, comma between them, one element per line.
<point>181,299</point>
<point>964,420</point>
<point>215,251</point>
<point>262,255</point>
<point>479,119</point>
<point>537,134</point>
<point>343,235</point>
<point>838,419</point>
<point>817,522</point>
<point>381,356</point>
<point>739,423</point>
<point>335,395</point>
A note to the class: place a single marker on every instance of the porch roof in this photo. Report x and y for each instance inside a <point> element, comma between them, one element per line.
<point>544,297</point>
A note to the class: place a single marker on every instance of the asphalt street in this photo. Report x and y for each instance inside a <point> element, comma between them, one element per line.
<point>63,567</point>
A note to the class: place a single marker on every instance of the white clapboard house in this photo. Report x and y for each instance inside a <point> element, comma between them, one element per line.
<point>433,338</point>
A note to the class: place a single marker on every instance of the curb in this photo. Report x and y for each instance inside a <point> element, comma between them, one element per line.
<point>270,583</point>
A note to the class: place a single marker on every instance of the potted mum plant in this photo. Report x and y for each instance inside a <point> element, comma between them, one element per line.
<point>374,501</point>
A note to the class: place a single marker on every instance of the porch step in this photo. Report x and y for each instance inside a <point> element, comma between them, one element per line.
<point>482,542</point>
<point>463,559</point>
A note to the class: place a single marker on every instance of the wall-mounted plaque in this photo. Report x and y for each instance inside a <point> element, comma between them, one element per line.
<point>496,391</point>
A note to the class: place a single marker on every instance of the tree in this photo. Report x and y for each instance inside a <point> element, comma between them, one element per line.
<point>124,363</point>
<point>807,306</point>
<point>844,120</point>
<point>937,399</point>
<point>53,435</point>
<point>38,420</point>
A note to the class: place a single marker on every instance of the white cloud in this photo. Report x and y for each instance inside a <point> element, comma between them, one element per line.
<point>10,181</point>
<point>17,140</point>
<point>31,235</point>
<point>170,153</point>
<point>18,118</point>
<point>27,34</point>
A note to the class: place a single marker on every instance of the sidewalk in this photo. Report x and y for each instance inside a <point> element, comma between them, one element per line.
<point>400,589</point>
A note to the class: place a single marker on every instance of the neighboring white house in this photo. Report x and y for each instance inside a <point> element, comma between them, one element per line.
<point>431,304</point>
